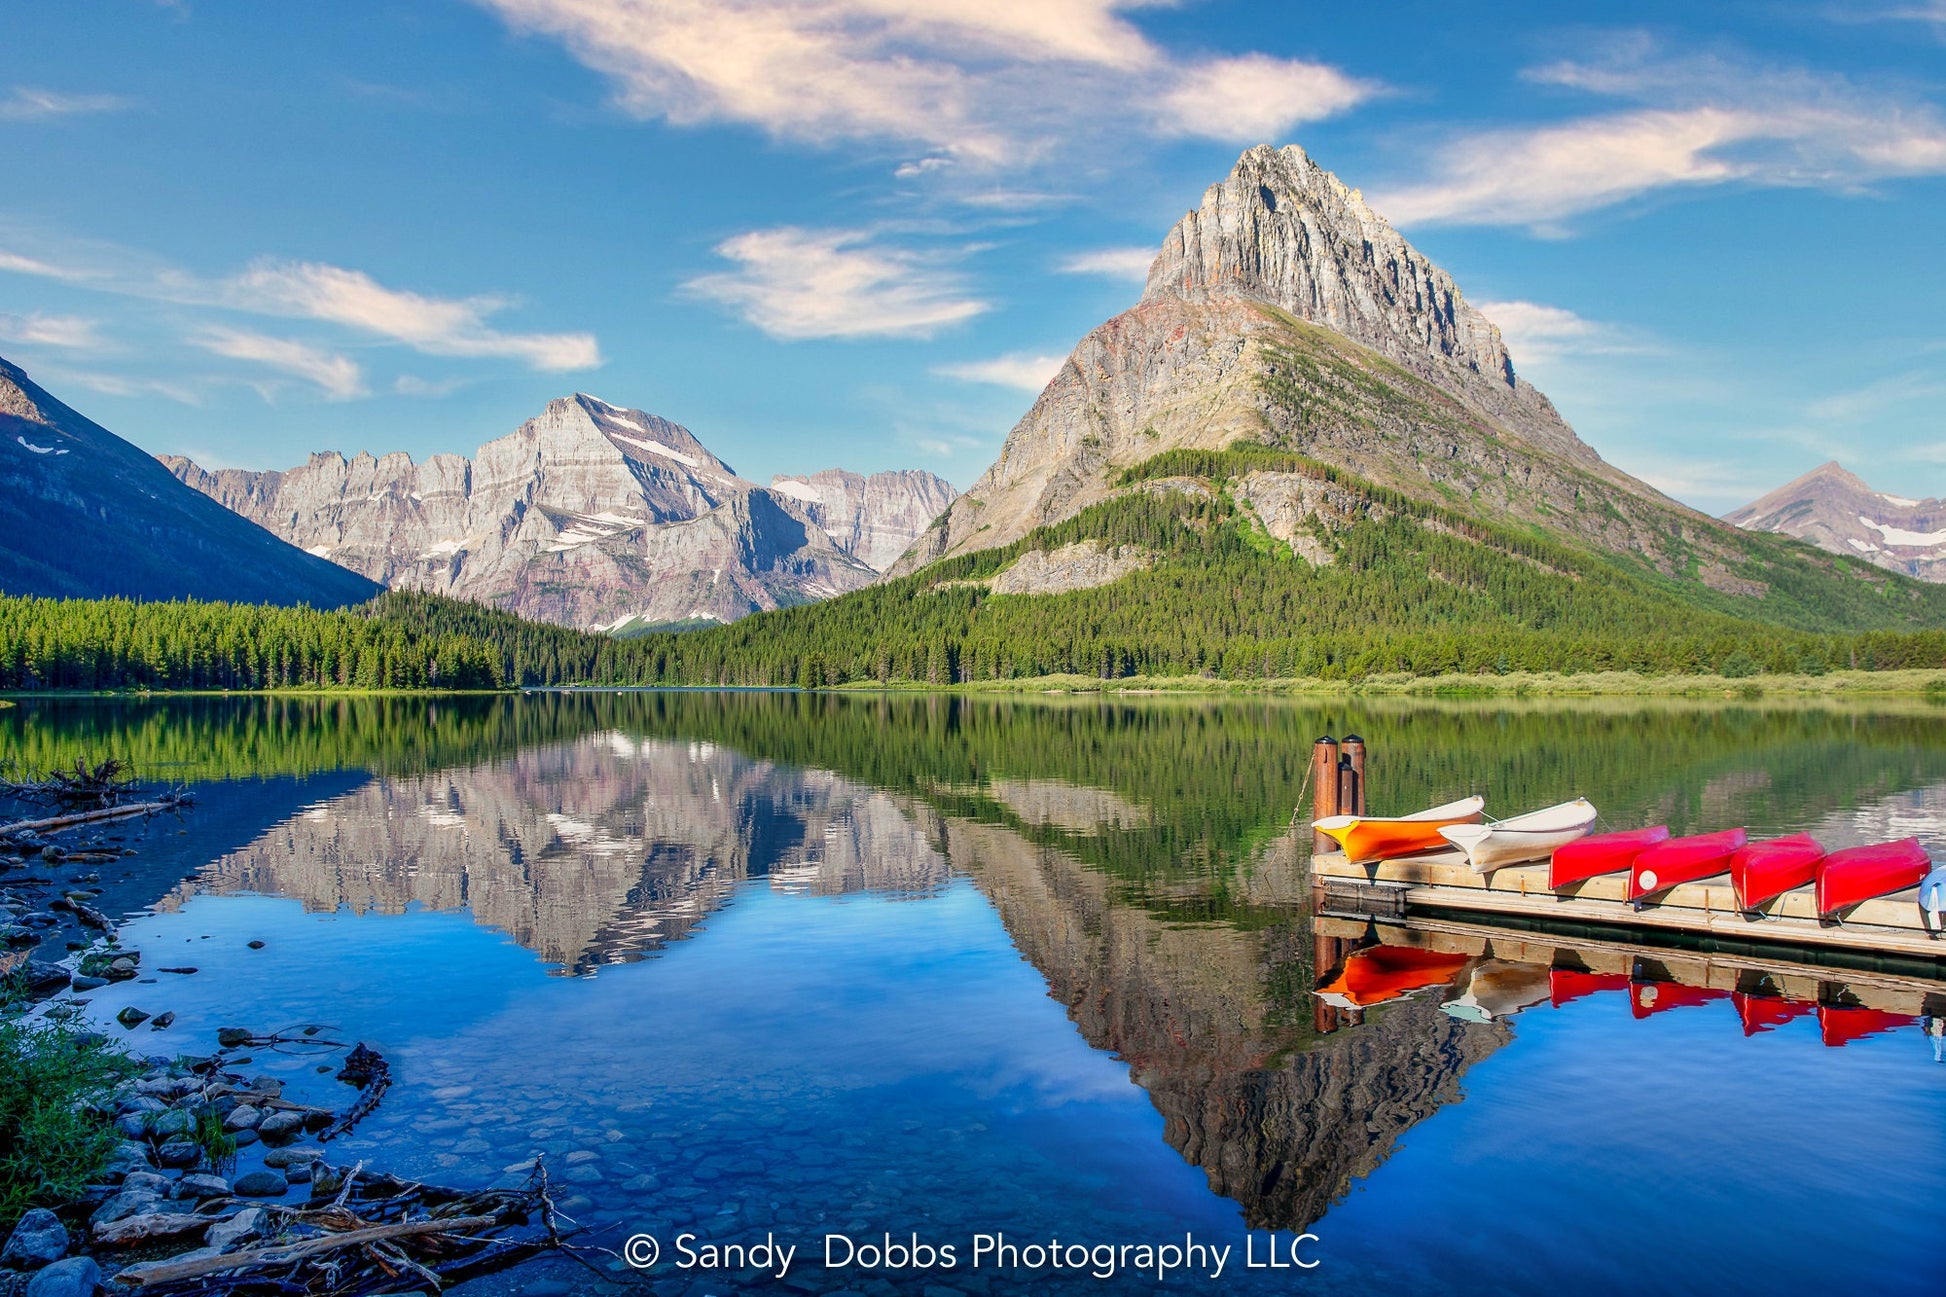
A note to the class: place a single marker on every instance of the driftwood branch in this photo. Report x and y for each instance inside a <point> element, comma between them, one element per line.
<point>56,823</point>
<point>285,1253</point>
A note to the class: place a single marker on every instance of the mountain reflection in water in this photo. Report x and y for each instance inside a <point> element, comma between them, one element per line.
<point>590,852</point>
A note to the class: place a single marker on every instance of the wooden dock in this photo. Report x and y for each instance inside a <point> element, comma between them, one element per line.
<point>1442,882</point>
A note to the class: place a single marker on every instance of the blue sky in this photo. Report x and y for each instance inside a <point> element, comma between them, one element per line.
<point>860,232</point>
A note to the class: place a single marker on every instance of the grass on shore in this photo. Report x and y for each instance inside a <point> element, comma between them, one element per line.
<point>53,1139</point>
<point>1929,684</point>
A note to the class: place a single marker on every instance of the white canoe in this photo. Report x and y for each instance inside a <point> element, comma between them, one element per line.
<point>1533,836</point>
<point>1499,988</point>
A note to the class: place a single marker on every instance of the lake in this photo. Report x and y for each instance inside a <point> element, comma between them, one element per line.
<point>934,978</point>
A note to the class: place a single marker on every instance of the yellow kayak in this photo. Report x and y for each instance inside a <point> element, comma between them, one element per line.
<point>1366,838</point>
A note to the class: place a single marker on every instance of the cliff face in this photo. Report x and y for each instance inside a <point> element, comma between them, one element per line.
<point>1836,511</point>
<point>589,515</point>
<point>1283,310</point>
<point>84,513</point>
<point>874,519</point>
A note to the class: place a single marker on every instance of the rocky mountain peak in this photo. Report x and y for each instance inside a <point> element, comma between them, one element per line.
<point>13,400</point>
<point>1836,510</point>
<point>874,519</point>
<point>1282,229</point>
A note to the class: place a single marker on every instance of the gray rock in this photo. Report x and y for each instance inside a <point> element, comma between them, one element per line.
<point>246,1224</point>
<point>41,978</point>
<point>179,1152</point>
<point>127,1159</point>
<point>85,983</point>
<point>39,1238</point>
<point>261,1184</point>
<point>127,1203</point>
<point>242,1117</point>
<point>202,1186</point>
<point>281,1127</point>
<point>149,1182</point>
<point>175,1121</point>
<point>280,1158</point>
<point>78,1276</point>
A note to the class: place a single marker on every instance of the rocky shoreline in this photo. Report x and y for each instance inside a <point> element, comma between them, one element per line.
<point>217,1183</point>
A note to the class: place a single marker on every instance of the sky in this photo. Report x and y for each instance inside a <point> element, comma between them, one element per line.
<point>863,233</point>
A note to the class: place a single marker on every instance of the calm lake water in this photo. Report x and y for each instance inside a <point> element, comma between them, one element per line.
<point>772,965</point>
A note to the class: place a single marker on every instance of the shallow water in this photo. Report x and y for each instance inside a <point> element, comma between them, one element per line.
<point>767,965</point>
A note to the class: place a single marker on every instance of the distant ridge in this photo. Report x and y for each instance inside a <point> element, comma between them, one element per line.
<point>84,513</point>
<point>1836,511</point>
<point>590,515</point>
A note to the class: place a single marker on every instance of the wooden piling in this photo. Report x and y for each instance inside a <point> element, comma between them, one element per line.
<point>1351,750</point>
<point>1324,788</point>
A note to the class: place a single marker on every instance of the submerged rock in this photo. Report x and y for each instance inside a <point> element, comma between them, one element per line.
<point>77,1276</point>
<point>262,1184</point>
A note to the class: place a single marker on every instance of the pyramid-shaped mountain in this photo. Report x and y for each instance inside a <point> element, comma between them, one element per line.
<point>1835,510</point>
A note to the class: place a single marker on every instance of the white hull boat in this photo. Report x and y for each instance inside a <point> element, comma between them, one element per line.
<point>1524,838</point>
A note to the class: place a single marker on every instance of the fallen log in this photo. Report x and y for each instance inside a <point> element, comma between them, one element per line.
<point>56,823</point>
<point>161,1272</point>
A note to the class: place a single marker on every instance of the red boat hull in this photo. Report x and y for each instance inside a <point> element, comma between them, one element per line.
<point>1863,873</point>
<point>1764,871</point>
<point>1565,985</point>
<point>1766,1012</point>
<point>1682,860</point>
<point>1840,1025</point>
<point>1645,998</point>
<point>1606,853</point>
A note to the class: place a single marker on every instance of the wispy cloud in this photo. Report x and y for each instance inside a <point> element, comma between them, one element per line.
<point>337,376</point>
<point>1028,373</point>
<point>986,81</point>
<point>28,104</point>
<point>71,332</point>
<point>309,290</point>
<point>795,283</point>
<point>435,325</point>
<point>1115,263</point>
<point>1537,332</point>
<point>1696,121</point>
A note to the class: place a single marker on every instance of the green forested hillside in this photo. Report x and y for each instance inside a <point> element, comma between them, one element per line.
<point>1411,587</point>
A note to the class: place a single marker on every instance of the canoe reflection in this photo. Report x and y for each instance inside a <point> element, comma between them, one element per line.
<point>1478,974</point>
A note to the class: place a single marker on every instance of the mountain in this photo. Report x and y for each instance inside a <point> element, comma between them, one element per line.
<point>874,519</point>
<point>1836,511</point>
<point>85,514</point>
<point>589,515</point>
<point>1285,311</point>
<point>1304,453</point>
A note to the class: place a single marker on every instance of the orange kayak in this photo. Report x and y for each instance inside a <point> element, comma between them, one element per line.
<point>1366,838</point>
<point>1380,973</point>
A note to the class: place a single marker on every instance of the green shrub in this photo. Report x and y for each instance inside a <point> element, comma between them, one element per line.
<point>52,1140</point>
<point>1739,666</point>
<point>1811,665</point>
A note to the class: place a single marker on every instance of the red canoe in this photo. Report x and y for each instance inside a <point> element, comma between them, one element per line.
<point>1682,860</point>
<point>1840,1025</point>
<point>1764,871</point>
<point>1380,973</point>
<point>1605,853</point>
<point>1862,873</point>
<point>1765,1012</point>
<point>1645,998</point>
<point>1568,984</point>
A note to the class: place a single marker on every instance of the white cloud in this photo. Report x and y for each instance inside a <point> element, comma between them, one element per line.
<point>434,325</point>
<point>1028,373</point>
<point>1115,263</point>
<point>118,384</point>
<point>1537,332</point>
<point>795,283</point>
<point>27,104</point>
<point>1699,122</point>
<point>73,332</point>
<point>1255,97</point>
<point>439,326</point>
<point>338,376</point>
<point>992,81</point>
